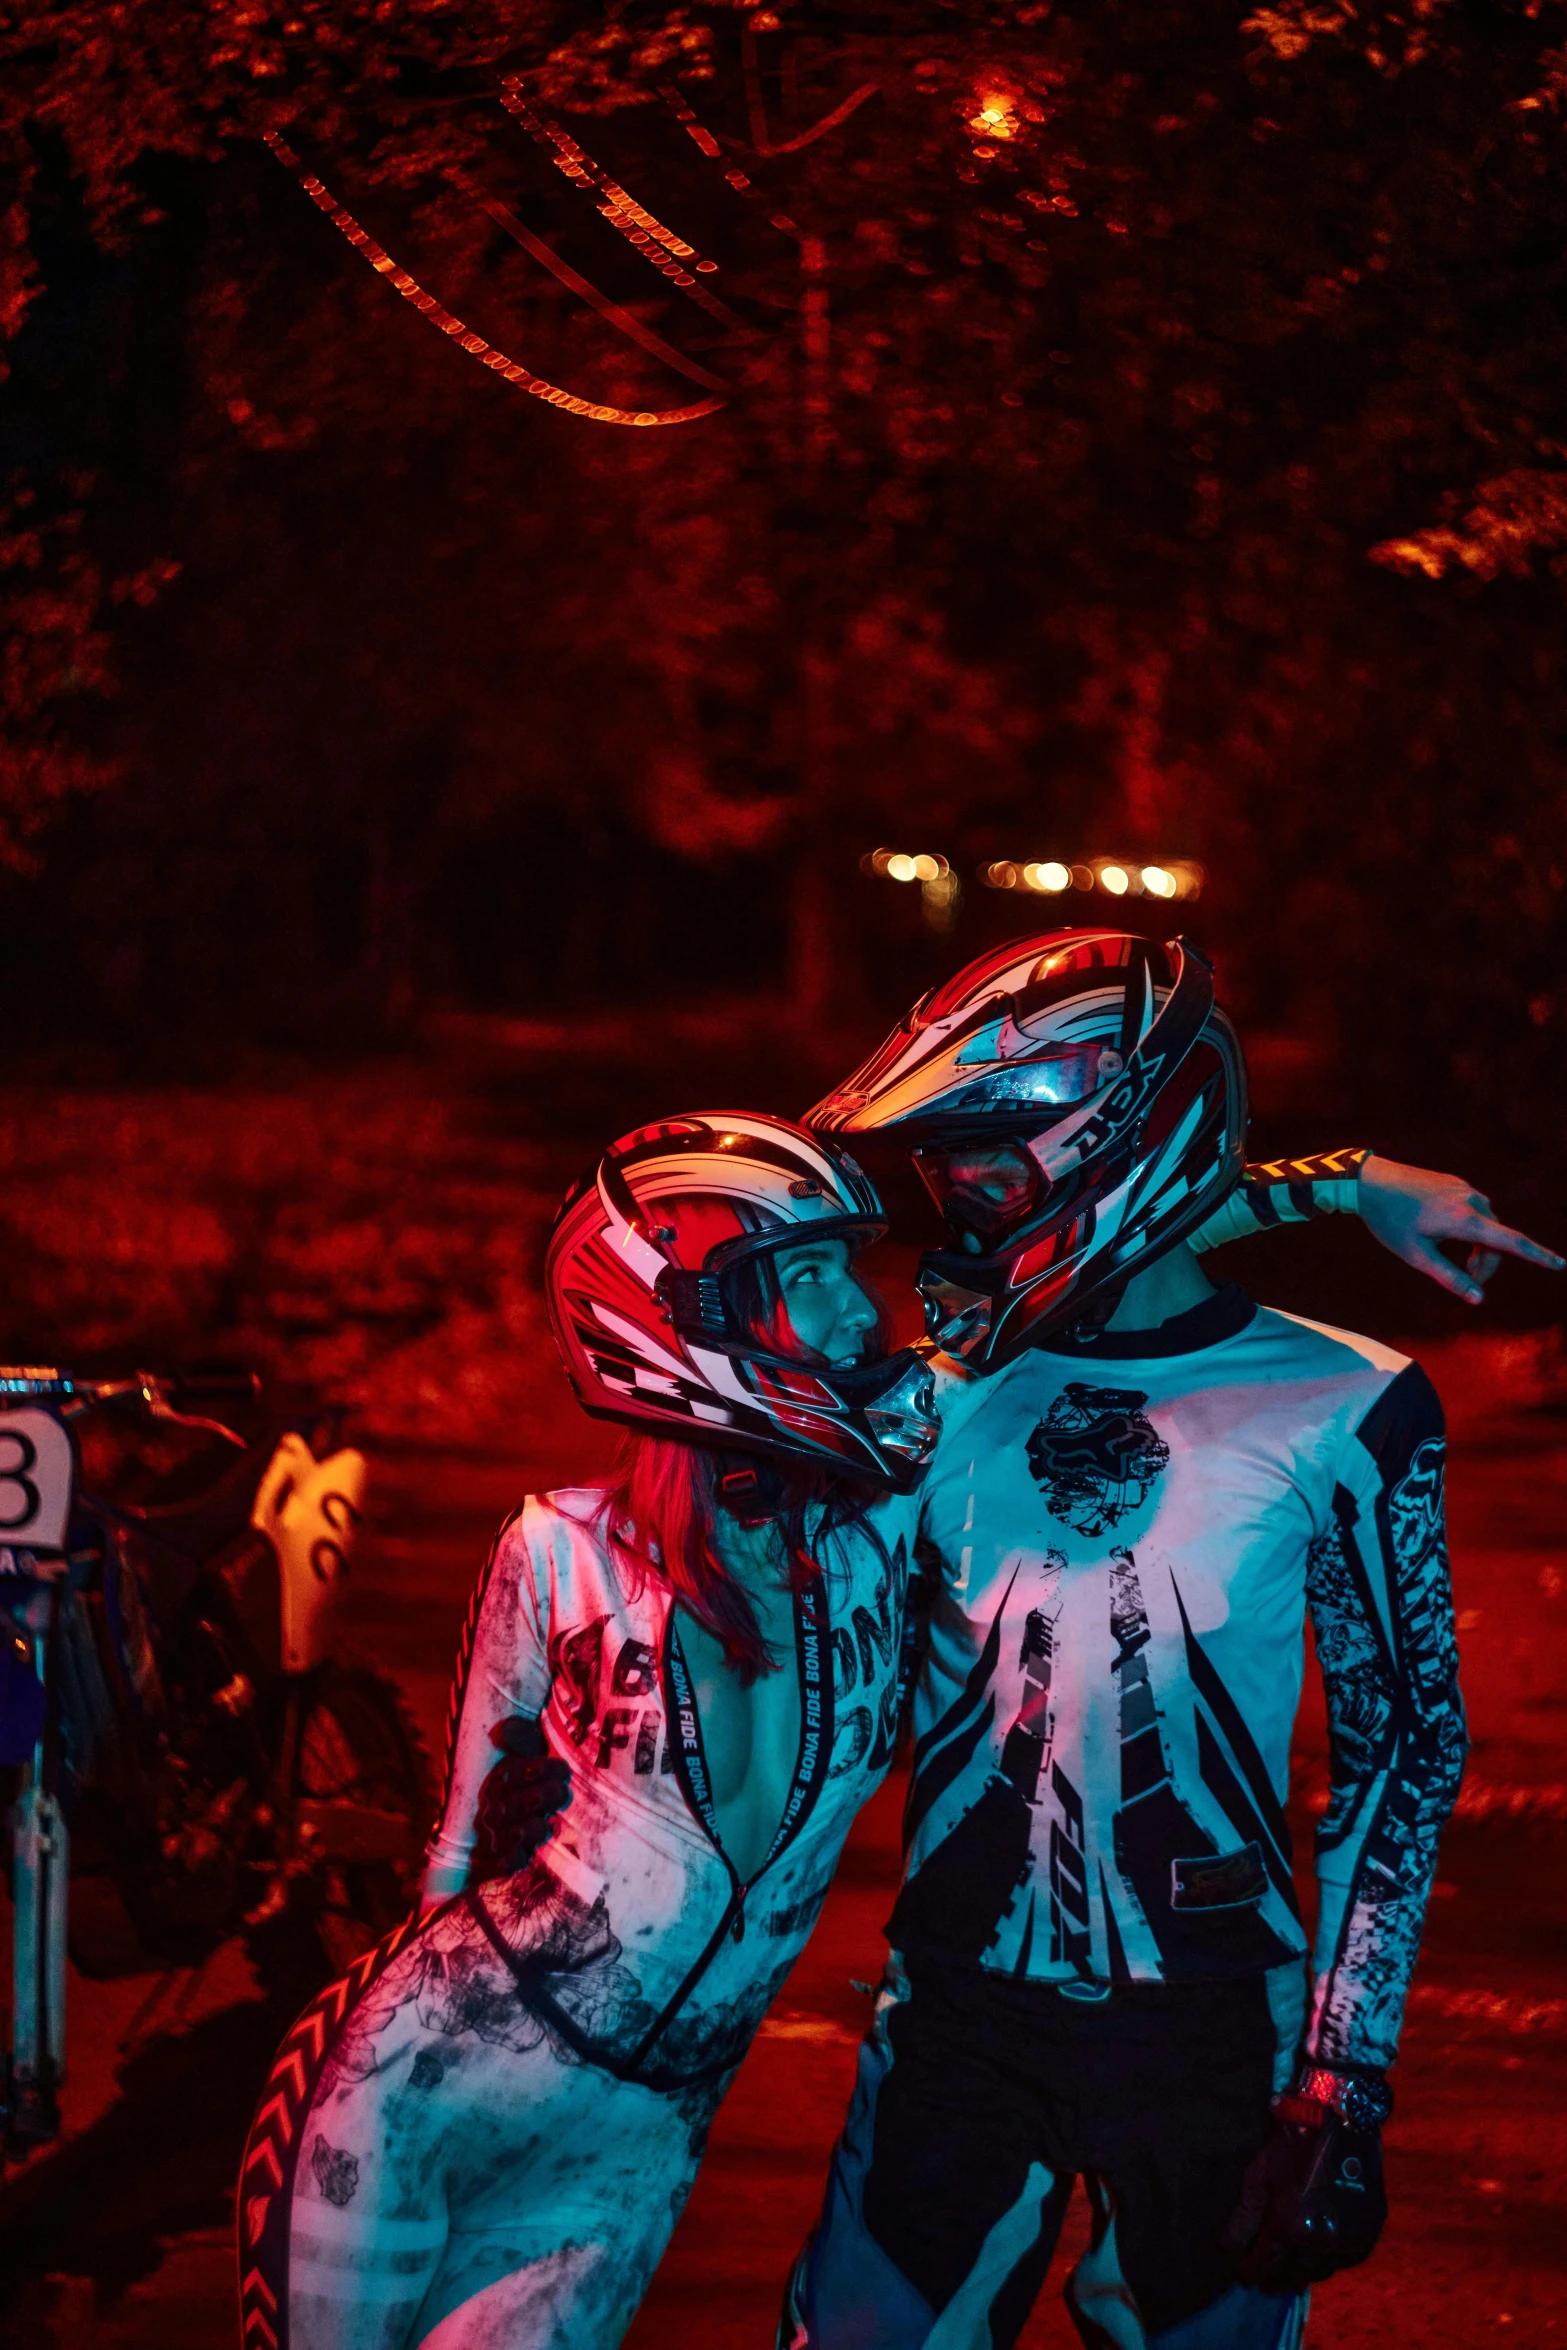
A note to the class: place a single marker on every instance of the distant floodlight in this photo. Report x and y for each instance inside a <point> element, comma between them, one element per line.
<point>928,868</point>
<point>1115,879</point>
<point>995,118</point>
<point>1052,876</point>
<point>901,868</point>
<point>941,896</point>
<point>1158,882</point>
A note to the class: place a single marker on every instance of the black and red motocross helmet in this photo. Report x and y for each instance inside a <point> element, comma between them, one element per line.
<point>1106,1091</point>
<point>666,1312</point>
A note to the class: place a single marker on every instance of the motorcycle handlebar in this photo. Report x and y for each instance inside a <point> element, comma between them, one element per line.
<point>175,1393</point>
<point>202,1398</point>
<point>212,1387</point>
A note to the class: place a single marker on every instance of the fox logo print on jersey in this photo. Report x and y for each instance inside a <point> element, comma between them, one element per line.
<point>1095,1456</point>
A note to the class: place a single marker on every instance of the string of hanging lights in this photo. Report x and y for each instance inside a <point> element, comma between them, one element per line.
<point>510,370</point>
<point>674,258</point>
<point>1176,877</point>
<point>643,231</point>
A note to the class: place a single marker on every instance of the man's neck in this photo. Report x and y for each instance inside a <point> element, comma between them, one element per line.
<point>1172,1285</point>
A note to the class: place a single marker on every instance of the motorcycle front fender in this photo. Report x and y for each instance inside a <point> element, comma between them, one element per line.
<point>310,1511</point>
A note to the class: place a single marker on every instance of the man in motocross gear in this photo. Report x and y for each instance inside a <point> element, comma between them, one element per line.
<point>1098,1963</point>
<point>487,2131</point>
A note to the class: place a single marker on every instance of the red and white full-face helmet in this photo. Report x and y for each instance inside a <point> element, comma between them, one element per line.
<point>665,1303</point>
<point>1076,1106</point>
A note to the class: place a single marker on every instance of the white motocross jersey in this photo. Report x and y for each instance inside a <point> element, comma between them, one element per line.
<point>644,1952</point>
<point>1123,1538</point>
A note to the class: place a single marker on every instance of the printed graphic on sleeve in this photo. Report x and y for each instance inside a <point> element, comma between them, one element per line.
<point>1416,1523</point>
<point>1395,1719</point>
<point>1095,1456</point>
<point>1357,1671</point>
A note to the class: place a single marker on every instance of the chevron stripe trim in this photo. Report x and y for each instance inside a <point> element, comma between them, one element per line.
<point>1325,1167</point>
<point>265,2152</point>
<point>263,2218</point>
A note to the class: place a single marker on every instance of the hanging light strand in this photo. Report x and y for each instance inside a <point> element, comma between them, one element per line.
<point>647,235</point>
<point>511,370</point>
<point>761,142</point>
<point>739,181</point>
<point>576,283</point>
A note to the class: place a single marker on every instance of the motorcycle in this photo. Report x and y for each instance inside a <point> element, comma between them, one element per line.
<point>189,1760</point>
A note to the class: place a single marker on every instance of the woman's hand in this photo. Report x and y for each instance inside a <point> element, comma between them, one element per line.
<point>519,1799</point>
<point>1411,1209</point>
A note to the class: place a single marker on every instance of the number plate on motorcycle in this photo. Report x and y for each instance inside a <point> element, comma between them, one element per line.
<point>35,1480</point>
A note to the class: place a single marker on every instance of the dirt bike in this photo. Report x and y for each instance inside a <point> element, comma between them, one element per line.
<point>189,1761</point>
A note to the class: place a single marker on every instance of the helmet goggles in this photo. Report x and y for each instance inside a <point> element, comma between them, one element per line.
<point>982,1185</point>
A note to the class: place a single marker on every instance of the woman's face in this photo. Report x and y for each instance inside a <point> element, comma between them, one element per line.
<point>828,1310</point>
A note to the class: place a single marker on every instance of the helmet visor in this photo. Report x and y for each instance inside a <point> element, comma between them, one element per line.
<point>1049,1080</point>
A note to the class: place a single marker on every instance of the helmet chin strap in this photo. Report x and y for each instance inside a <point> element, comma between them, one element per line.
<point>1088,1326</point>
<point>752,1492</point>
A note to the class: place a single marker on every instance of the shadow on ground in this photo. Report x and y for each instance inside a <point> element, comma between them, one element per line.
<point>159,2162</point>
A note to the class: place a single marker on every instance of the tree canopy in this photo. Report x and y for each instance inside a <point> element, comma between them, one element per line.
<point>1123,428</point>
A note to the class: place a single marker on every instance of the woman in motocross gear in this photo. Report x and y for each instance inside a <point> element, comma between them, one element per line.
<point>1098,1962</point>
<point>487,2131</point>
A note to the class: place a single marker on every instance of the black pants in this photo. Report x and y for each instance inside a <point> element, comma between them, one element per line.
<point>980,2100</point>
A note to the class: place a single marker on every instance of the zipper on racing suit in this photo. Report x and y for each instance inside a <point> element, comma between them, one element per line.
<point>690,1769</point>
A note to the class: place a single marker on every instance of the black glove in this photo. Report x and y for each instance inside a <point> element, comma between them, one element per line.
<point>519,1799</point>
<point>1313,2200</point>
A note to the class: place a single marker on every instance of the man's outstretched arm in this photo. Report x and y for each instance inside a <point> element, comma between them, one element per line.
<point>1411,1210</point>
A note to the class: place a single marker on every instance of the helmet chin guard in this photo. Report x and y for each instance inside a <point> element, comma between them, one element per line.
<point>1095,1070</point>
<point>663,1304</point>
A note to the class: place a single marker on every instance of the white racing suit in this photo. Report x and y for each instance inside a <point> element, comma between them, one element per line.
<point>1098,1957</point>
<point>486,2133</point>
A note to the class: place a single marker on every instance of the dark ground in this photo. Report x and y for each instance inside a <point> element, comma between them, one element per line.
<point>381,1235</point>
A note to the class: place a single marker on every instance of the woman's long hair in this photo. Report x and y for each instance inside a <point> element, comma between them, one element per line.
<point>662,1515</point>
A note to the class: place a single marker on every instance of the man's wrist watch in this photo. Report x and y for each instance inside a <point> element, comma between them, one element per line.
<point>1364,2100</point>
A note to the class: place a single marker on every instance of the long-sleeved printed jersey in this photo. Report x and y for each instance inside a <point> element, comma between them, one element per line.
<point>642,1951</point>
<point>1124,1537</point>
